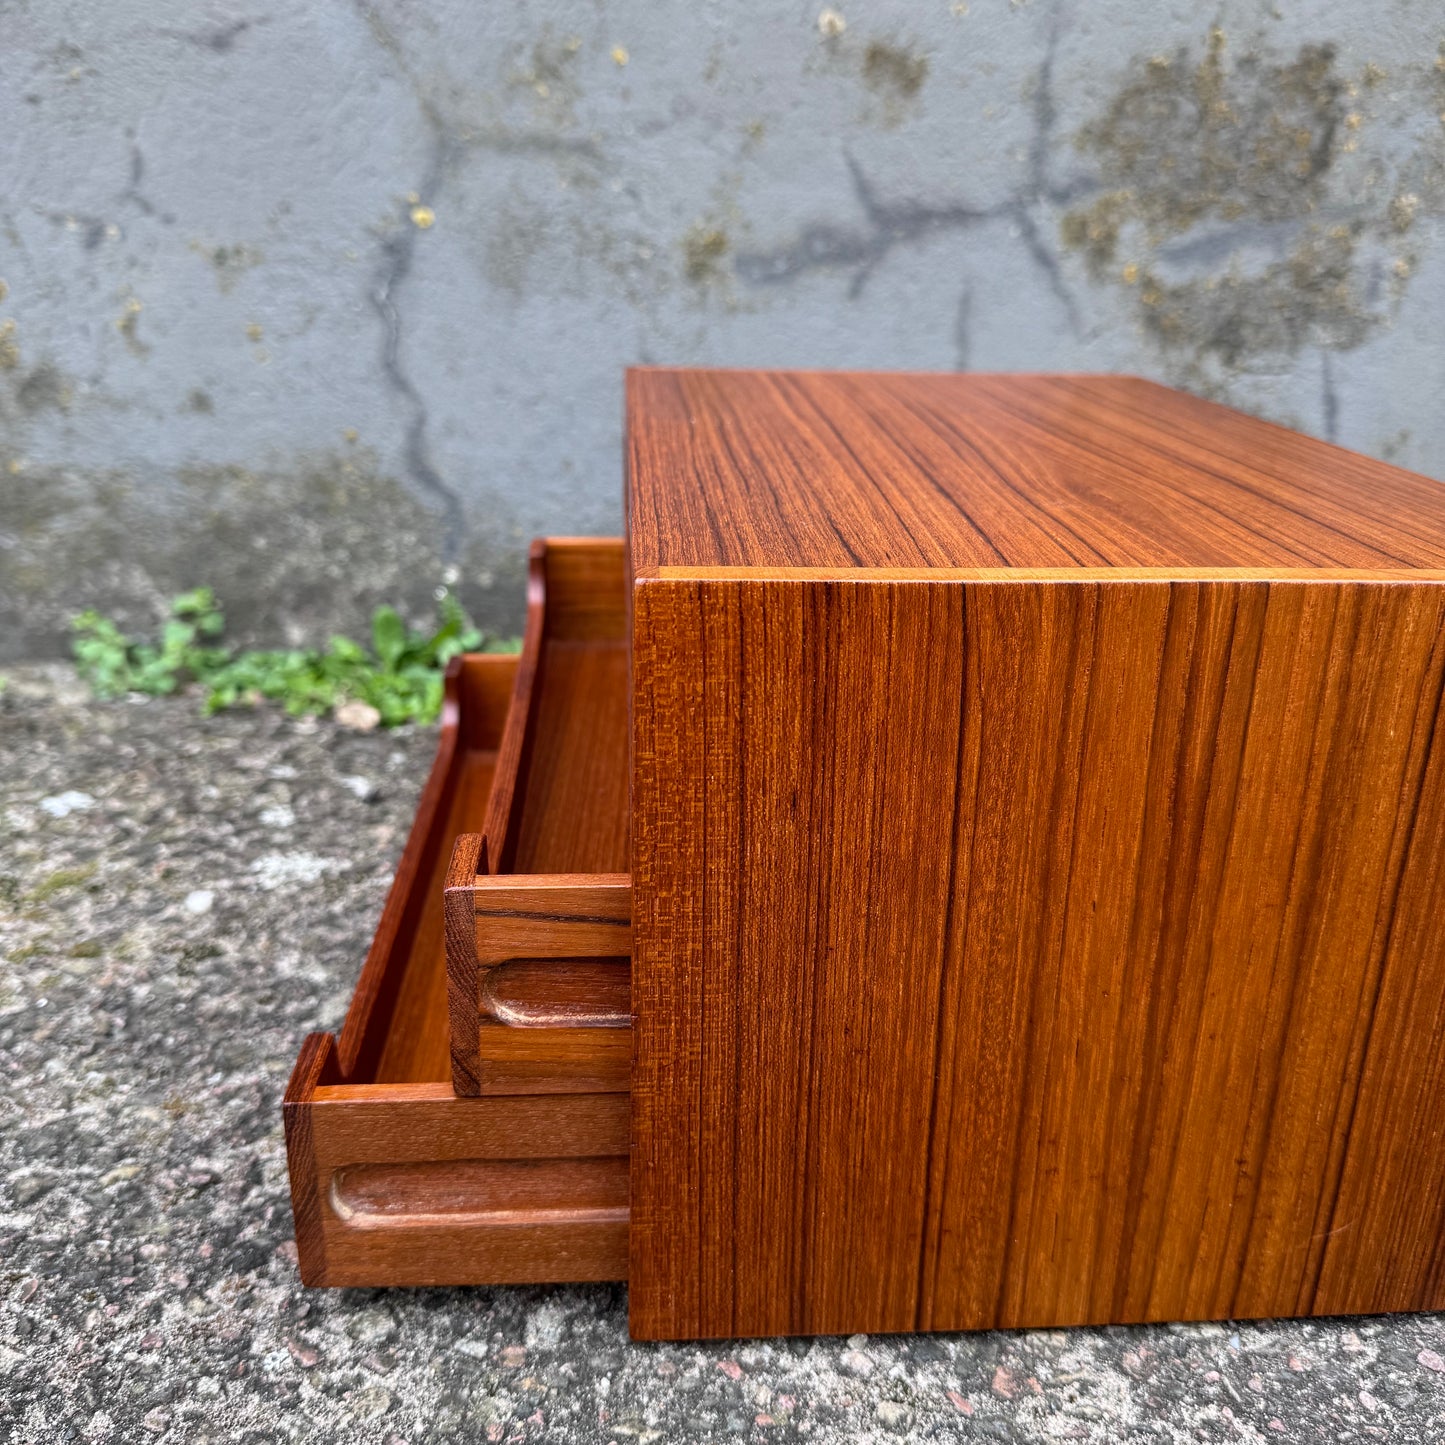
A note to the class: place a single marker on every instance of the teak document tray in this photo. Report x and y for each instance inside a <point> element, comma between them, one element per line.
<point>1025,815</point>
<point>396,1180</point>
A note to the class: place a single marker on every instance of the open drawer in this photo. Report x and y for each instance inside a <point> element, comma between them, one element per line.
<point>539,901</point>
<point>394,1179</point>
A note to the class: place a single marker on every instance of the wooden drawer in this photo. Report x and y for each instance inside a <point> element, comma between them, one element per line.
<point>394,1179</point>
<point>405,1184</point>
<point>539,902</point>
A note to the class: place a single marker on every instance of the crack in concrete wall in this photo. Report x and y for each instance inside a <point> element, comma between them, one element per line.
<point>449,142</point>
<point>890,224</point>
<point>397,251</point>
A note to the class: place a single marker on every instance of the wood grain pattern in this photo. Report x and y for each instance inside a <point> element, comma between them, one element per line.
<point>863,470</point>
<point>534,993</point>
<point>490,1193</point>
<point>464,1004</point>
<point>563,918</point>
<point>391,1029</point>
<point>405,1184</point>
<point>559,804</point>
<point>559,807</point>
<point>1036,831</point>
<point>394,1180</point>
<point>1035,955</point>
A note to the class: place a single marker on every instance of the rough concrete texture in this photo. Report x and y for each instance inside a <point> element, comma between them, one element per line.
<point>181,901</point>
<point>256,257</point>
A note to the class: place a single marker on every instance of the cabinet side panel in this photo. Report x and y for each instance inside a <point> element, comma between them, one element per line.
<point>1011,954</point>
<point>1160,987</point>
<point>1038,1016</point>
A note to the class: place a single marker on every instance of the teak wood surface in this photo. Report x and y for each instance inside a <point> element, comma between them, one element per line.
<point>394,1179</point>
<point>1038,845</point>
<point>540,899</point>
<point>853,472</point>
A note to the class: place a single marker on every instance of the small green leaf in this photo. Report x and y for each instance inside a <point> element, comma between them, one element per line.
<point>388,635</point>
<point>192,604</point>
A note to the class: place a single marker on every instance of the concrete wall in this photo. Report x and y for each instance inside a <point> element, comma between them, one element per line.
<point>328,303</point>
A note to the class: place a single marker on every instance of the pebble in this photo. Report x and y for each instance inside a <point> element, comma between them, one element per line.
<point>276,870</point>
<point>362,788</point>
<point>370,1402</point>
<point>304,1355</point>
<point>893,1416</point>
<point>547,1325</point>
<point>30,1187</point>
<point>62,805</point>
<point>371,1326</point>
<point>358,716</point>
<point>199,900</point>
<point>1005,1383</point>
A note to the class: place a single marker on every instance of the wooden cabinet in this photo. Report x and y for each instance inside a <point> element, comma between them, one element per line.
<point>1015,810</point>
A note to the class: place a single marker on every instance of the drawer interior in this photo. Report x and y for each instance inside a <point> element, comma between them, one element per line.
<point>396,1028</point>
<point>564,808</point>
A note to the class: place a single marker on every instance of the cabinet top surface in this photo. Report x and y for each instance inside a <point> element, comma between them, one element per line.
<point>877,471</point>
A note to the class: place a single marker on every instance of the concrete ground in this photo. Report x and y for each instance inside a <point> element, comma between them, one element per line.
<point>181,900</point>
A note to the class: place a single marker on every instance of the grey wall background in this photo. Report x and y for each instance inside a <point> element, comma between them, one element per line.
<point>233,351</point>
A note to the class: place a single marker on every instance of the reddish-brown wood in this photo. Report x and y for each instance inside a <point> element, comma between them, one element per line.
<point>555,931</point>
<point>584,991</point>
<point>558,820</point>
<point>1036,827</point>
<point>395,1180</point>
<point>560,800</point>
<point>390,1029</point>
<point>1037,838</point>
<point>405,1184</point>
<point>867,470</point>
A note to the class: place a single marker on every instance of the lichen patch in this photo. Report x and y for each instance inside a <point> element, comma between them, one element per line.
<point>1234,205</point>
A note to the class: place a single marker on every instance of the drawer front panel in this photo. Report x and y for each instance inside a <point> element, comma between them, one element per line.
<point>406,1184</point>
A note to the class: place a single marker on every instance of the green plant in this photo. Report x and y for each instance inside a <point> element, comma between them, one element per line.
<point>113,664</point>
<point>401,676</point>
